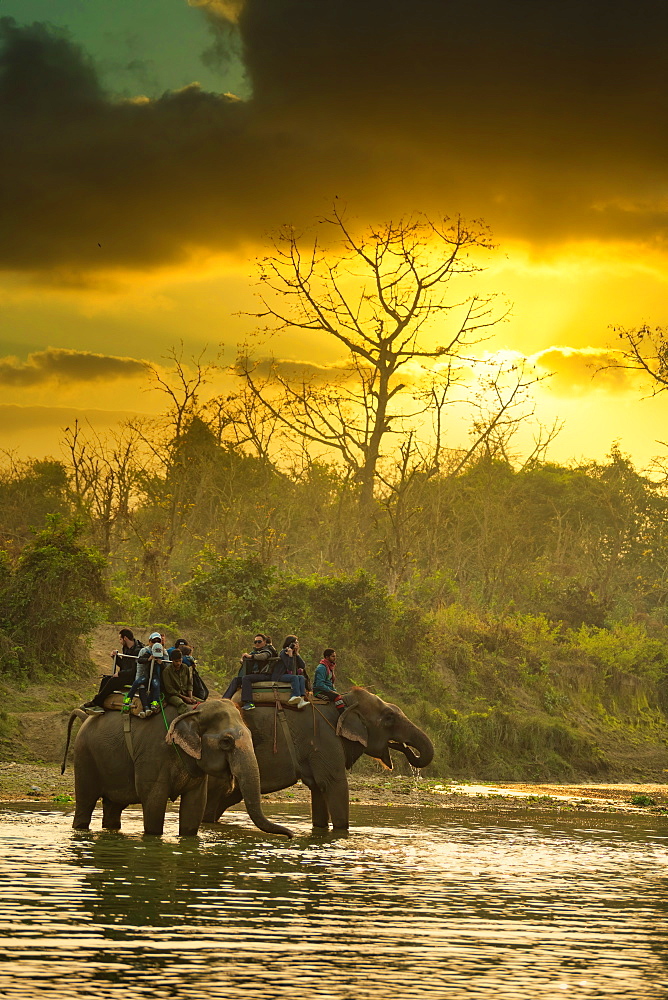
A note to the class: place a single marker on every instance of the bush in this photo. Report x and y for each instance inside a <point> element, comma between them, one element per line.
<point>54,596</point>
<point>236,586</point>
<point>625,647</point>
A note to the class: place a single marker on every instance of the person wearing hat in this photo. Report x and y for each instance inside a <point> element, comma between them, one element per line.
<point>185,649</point>
<point>147,677</point>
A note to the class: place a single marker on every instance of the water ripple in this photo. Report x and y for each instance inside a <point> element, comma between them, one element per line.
<point>431,905</point>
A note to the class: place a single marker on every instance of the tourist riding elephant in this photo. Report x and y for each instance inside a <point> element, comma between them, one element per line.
<point>150,766</point>
<point>323,744</point>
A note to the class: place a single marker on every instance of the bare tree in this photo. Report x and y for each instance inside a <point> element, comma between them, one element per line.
<point>502,404</point>
<point>105,475</point>
<point>643,350</point>
<point>181,384</point>
<point>243,420</point>
<point>378,296</point>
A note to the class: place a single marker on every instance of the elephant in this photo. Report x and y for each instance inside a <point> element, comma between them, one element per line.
<point>325,743</point>
<point>210,740</point>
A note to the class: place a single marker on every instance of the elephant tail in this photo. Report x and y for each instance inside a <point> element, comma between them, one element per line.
<point>76,714</point>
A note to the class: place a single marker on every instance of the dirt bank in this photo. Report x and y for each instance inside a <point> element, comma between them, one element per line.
<point>21,782</point>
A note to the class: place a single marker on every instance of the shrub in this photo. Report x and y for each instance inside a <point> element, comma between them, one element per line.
<point>54,595</point>
<point>625,647</point>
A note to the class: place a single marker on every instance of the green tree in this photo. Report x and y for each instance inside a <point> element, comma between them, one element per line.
<point>54,596</point>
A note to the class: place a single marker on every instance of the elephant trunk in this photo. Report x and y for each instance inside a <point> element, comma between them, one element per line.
<point>417,748</point>
<point>244,768</point>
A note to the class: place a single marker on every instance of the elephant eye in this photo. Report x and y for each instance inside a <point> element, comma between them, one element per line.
<point>387,719</point>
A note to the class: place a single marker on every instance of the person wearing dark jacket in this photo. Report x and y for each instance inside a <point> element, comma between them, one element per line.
<point>253,665</point>
<point>291,669</point>
<point>125,662</point>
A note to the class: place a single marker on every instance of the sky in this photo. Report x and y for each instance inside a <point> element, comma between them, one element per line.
<point>149,149</point>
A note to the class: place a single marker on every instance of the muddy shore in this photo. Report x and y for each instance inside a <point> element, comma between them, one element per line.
<point>21,782</point>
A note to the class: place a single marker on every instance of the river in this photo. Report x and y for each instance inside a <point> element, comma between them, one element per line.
<point>413,903</point>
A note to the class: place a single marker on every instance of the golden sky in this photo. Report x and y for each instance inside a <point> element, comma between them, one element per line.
<point>149,149</point>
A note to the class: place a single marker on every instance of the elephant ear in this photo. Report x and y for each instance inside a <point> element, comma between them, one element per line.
<point>351,726</point>
<point>185,735</point>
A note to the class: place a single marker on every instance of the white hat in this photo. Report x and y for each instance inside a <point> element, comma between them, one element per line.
<point>158,650</point>
<point>154,635</point>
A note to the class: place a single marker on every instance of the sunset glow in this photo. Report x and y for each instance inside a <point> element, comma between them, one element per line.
<point>156,188</point>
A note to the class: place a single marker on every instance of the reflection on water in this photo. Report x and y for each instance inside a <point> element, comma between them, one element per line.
<point>429,903</point>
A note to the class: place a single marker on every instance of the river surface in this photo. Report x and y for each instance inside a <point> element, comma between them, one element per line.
<point>413,903</point>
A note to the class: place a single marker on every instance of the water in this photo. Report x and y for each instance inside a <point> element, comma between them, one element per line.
<point>411,904</point>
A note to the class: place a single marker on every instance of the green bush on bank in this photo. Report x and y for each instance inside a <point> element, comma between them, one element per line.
<point>52,597</point>
<point>510,696</point>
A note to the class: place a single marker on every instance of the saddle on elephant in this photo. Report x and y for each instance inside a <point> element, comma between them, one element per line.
<point>273,691</point>
<point>268,693</point>
<point>114,703</point>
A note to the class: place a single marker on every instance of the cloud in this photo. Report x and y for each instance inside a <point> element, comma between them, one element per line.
<point>15,419</point>
<point>297,371</point>
<point>67,366</point>
<point>577,371</point>
<point>539,115</point>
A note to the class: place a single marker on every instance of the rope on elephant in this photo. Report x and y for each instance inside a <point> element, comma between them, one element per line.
<point>286,732</point>
<point>164,719</point>
<point>322,717</point>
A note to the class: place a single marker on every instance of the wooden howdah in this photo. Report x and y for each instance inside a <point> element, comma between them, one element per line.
<point>265,693</point>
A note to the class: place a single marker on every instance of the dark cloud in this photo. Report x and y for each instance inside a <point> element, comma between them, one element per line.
<point>67,366</point>
<point>547,117</point>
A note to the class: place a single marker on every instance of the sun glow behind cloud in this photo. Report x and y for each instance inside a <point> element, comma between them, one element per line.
<point>193,181</point>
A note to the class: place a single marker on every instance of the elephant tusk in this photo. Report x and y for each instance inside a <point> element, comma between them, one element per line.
<point>411,754</point>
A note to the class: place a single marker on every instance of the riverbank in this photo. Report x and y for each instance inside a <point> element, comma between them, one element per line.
<point>43,783</point>
<point>629,755</point>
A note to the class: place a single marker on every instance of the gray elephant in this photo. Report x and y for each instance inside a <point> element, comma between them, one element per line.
<point>322,745</point>
<point>151,766</point>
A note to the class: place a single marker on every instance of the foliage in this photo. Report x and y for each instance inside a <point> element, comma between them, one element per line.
<point>642,800</point>
<point>235,586</point>
<point>520,611</point>
<point>53,596</point>
<point>624,647</point>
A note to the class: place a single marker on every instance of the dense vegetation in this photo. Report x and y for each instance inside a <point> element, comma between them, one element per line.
<point>516,608</point>
<point>518,613</point>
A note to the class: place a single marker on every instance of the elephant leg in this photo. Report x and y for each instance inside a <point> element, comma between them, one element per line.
<point>86,793</point>
<point>191,810</point>
<point>338,802</point>
<point>111,815</point>
<point>319,810</point>
<point>154,807</point>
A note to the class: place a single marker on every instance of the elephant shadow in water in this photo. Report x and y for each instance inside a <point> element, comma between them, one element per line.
<point>152,767</point>
<point>172,883</point>
<point>322,745</point>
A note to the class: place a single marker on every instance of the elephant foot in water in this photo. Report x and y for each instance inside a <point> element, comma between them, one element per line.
<point>331,805</point>
<point>111,815</point>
